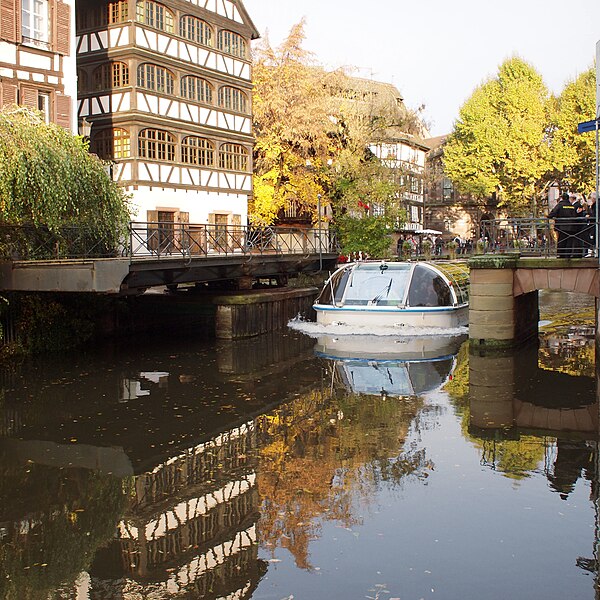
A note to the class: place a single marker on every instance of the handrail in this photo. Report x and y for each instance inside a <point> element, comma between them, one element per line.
<point>162,240</point>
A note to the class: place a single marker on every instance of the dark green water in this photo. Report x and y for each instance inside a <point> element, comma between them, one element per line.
<point>302,467</point>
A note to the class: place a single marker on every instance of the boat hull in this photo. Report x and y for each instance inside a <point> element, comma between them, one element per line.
<point>444,317</point>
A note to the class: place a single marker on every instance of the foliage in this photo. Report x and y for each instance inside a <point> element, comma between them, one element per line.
<point>69,514</point>
<point>291,124</point>
<point>500,141</point>
<point>313,134</point>
<point>574,154</point>
<point>53,323</point>
<point>323,457</point>
<point>48,178</point>
<point>369,234</point>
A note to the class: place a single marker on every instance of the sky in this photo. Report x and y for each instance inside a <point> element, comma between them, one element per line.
<point>436,52</point>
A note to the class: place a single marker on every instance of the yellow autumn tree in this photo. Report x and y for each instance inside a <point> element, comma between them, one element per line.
<point>292,126</point>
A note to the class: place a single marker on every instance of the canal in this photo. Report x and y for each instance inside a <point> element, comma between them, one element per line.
<point>306,464</point>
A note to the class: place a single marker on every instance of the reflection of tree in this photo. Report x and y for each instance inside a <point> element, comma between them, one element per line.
<point>321,455</point>
<point>52,536</point>
<point>513,458</point>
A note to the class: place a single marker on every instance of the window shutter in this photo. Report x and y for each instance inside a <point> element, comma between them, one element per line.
<point>9,93</point>
<point>153,241</point>
<point>63,111</point>
<point>9,19</point>
<point>63,28</point>
<point>29,96</point>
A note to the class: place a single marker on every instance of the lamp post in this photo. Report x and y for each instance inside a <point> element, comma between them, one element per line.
<point>85,128</point>
<point>320,239</point>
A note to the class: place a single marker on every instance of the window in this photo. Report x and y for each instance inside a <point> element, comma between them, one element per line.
<point>156,144</point>
<point>111,75</point>
<point>44,105</point>
<point>232,43</point>
<point>198,151</point>
<point>196,30</point>
<point>112,143</point>
<point>117,11</point>
<point>154,15</point>
<point>195,88</point>
<point>233,157</point>
<point>35,26</point>
<point>233,99</point>
<point>153,77</point>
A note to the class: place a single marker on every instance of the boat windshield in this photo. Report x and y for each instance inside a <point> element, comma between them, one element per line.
<point>383,285</point>
<point>428,288</point>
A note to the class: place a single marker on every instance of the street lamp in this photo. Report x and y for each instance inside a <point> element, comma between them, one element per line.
<point>85,128</point>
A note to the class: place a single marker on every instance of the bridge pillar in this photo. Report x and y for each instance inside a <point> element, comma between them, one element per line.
<point>496,318</point>
<point>245,314</point>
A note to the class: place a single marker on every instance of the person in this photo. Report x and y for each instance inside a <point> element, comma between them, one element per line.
<point>592,216</point>
<point>566,226</point>
<point>580,246</point>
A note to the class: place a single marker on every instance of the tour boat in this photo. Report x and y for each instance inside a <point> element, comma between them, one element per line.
<point>391,366</point>
<point>396,294</point>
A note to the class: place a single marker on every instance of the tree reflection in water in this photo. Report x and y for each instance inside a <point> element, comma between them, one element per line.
<point>325,455</point>
<point>52,523</point>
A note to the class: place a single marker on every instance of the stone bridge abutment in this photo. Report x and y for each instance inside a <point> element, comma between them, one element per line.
<point>503,305</point>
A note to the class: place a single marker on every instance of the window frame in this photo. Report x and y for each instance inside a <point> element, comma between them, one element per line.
<point>159,77</point>
<point>202,89</point>
<point>155,15</point>
<point>203,32</point>
<point>233,98</point>
<point>35,23</point>
<point>205,148</point>
<point>112,143</point>
<point>156,144</point>
<point>233,157</point>
<point>107,76</point>
<point>232,43</point>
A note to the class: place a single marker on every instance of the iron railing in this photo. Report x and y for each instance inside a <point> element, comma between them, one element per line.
<point>161,240</point>
<point>562,238</point>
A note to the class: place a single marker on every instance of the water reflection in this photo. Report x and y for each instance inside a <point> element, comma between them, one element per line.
<point>269,468</point>
<point>390,366</point>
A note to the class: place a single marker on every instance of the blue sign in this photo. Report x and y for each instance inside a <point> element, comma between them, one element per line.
<point>586,126</point>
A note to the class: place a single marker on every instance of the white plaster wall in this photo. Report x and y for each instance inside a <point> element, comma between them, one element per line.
<point>198,203</point>
<point>70,70</point>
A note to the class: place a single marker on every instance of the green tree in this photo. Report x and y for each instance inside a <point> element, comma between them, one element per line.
<point>48,178</point>
<point>500,141</point>
<point>574,154</point>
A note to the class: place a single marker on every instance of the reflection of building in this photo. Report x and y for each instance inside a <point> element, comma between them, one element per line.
<point>190,528</point>
<point>167,87</point>
<point>37,57</point>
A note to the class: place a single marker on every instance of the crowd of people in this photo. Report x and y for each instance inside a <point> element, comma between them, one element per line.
<point>575,224</point>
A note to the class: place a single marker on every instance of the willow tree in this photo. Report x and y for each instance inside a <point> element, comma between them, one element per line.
<point>574,154</point>
<point>292,126</point>
<point>500,140</point>
<point>49,179</point>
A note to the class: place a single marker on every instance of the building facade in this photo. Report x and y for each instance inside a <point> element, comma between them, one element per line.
<point>37,57</point>
<point>167,89</point>
<point>446,209</point>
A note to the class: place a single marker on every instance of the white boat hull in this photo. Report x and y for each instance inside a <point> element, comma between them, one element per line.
<point>380,316</point>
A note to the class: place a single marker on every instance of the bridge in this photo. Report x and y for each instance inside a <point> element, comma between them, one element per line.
<point>72,259</point>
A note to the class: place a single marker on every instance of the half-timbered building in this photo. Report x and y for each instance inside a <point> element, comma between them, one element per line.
<point>167,88</point>
<point>37,57</point>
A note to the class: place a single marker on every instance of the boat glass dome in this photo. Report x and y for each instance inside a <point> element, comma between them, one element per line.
<point>397,284</point>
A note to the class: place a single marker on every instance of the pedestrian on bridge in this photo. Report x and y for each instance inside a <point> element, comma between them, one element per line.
<point>566,226</point>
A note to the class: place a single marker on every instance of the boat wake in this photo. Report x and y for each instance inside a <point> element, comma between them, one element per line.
<point>317,330</point>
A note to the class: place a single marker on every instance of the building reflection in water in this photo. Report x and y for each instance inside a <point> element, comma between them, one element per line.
<point>537,407</point>
<point>181,519</point>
